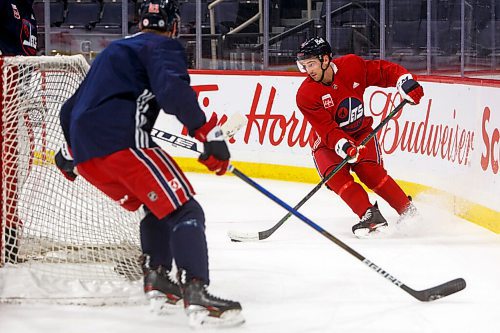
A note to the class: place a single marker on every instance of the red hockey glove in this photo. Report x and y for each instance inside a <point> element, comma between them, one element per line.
<point>215,155</point>
<point>64,162</point>
<point>345,148</point>
<point>410,89</point>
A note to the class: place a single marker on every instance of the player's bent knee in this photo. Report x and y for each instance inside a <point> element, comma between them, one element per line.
<point>188,215</point>
<point>371,174</point>
<point>338,185</point>
<point>189,223</point>
<point>333,186</point>
<point>338,181</point>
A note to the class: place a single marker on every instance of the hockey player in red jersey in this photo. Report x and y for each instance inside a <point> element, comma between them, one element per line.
<point>331,99</point>
<point>107,125</point>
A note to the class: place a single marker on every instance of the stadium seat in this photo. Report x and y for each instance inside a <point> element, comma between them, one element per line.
<point>39,11</point>
<point>226,13</point>
<point>409,10</point>
<point>111,17</point>
<point>56,13</point>
<point>188,15</point>
<point>341,40</point>
<point>408,37</point>
<point>82,15</point>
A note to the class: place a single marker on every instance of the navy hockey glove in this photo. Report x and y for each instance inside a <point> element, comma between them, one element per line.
<point>64,162</point>
<point>215,155</point>
<point>410,89</point>
<point>345,148</point>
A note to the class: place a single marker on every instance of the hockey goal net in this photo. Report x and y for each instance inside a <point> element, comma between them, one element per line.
<point>66,239</point>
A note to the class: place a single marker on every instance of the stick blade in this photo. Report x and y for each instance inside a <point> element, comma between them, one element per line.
<point>237,236</point>
<point>233,124</point>
<point>440,291</point>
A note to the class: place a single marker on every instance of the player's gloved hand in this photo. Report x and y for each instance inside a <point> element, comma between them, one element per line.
<point>216,154</point>
<point>345,148</point>
<point>410,89</point>
<point>64,162</point>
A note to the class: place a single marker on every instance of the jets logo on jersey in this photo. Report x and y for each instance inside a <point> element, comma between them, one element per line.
<point>350,114</point>
<point>28,37</point>
<point>342,113</point>
<point>327,101</point>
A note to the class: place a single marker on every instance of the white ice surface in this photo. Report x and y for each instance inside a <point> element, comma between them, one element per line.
<point>298,281</point>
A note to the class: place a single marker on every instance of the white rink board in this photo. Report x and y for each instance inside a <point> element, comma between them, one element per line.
<point>269,102</point>
<point>456,129</point>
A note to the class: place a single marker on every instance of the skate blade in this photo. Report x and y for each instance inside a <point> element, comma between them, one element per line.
<point>199,317</point>
<point>161,305</point>
<point>366,233</point>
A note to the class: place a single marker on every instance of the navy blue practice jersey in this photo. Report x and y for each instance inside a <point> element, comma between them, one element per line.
<point>18,33</point>
<point>127,85</point>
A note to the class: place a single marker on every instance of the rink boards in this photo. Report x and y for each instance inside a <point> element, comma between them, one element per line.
<point>448,144</point>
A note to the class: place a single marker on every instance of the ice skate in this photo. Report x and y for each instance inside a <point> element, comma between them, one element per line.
<point>371,222</point>
<point>206,310</point>
<point>409,213</point>
<point>407,222</point>
<point>163,293</point>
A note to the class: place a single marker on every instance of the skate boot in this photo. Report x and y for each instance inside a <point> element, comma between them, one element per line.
<point>370,222</point>
<point>163,293</point>
<point>409,213</point>
<point>206,310</point>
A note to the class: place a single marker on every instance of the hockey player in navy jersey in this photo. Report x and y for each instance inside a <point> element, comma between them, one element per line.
<point>18,32</point>
<point>107,125</point>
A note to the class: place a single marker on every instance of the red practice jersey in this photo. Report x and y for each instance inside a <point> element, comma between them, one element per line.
<point>336,111</point>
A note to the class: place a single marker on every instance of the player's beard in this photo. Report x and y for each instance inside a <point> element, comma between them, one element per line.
<point>323,71</point>
<point>315,78</point>
<point>320,80</point>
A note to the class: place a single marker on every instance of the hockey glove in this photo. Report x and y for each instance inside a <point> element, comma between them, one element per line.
<point>345,148</point>
<point>64,162</point>
<point>216,154</point>
<point>410,89</point>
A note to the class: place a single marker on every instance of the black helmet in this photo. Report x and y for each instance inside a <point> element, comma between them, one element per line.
<point>314,47</point>
<point>159,14</point>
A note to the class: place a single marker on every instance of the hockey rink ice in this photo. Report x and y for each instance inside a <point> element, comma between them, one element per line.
<point>299,281</point>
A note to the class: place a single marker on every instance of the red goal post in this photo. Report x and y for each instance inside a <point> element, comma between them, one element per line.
<point>50,226</point>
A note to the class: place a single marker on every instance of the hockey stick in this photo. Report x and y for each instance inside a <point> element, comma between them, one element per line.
<point>425,295</point>
<point>260,235</point>
<point>233,124</point>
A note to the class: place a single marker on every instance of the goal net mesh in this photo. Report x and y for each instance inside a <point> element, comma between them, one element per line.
<point>54,229</point>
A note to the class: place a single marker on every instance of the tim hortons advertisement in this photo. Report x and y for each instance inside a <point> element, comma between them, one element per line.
<point>450,141</point>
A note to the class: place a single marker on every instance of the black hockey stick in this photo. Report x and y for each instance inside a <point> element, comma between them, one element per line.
<point>237,236</point>
<point>425,295</point>
<point>175,140</point>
